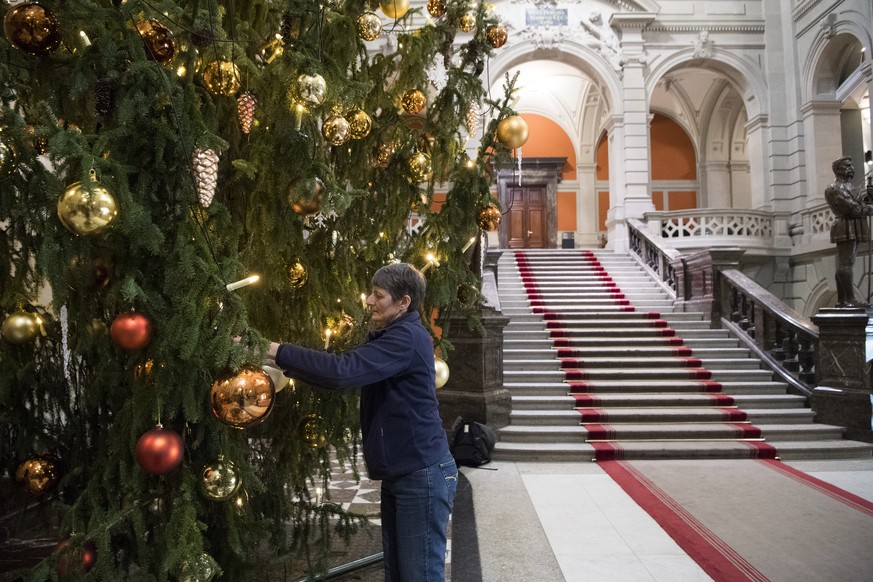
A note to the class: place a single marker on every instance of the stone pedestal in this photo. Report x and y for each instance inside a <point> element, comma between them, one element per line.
<point>844,392</point>
<point>475,386</point>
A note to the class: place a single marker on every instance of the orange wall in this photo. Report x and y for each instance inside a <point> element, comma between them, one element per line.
<point>673,156</point>
<point>683,200</point>
<point>546,139</point>
<point>566,210</point>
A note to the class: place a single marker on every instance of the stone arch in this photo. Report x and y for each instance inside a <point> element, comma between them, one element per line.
<point>745,78</point>
<point>723,149</point>
<point>581,57</point>
<point>822,295</point>
<point>829,53</point>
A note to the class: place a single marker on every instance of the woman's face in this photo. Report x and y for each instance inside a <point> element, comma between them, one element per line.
<point>383,308</point>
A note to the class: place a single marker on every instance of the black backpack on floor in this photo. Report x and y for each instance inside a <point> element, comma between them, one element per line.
<point>472,442</point>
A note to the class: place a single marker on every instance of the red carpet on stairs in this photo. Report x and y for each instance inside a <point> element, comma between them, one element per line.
<point>586,376</point>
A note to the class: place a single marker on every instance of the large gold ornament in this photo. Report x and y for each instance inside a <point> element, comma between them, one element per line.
<point>32,29</point>
<point>336,129</point>
<point>467,23</point>
<point>221,77</point>
<point>219,480</point>
<point>360,123</point>
<point>21,327</point>
<point>8,160</point>
<point>512,131</point>
<point>38,474</point>
<point>436,8</point>
<point>297,274</point>
<point>489,217</point>
<point>158,41</point>
<point>413,101</point>
<point>311,89</point>
<point>311,431</point>
<point>242,399</point>
<point>369,26</point>
<point>87,209</point>
<point>394,8</point>
<point>420,167</point>
<point>442,372</point>
<point>304,196</point>
<point>496,35</point>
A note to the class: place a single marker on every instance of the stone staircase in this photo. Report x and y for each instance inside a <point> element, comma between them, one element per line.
<point>600,367</point>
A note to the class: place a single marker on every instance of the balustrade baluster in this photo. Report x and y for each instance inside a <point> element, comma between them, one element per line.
<point>806,357</point>
<point>789,344</point>
<point>778,350</point>
<point>744,312</point>
<point>735,305</point>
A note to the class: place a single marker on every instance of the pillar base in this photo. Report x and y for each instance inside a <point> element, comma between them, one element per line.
<point>848,408</point>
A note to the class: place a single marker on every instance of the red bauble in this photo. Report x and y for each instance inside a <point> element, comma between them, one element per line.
<point>77,559</point>
<point>131,331</point>
<point>159,450</point>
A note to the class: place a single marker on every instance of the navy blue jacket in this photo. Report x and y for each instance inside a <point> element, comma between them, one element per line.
<point>400,422</point>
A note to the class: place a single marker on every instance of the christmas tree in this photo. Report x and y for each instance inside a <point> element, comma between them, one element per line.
<point>175,174</point>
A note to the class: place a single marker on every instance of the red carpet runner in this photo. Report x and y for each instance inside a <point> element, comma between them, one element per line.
<point>816,531</point>
<point>675,363</point>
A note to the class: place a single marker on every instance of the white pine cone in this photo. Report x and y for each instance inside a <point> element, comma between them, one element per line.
<point>471,119</point>
<point>205,164</point>
<point>245,110</point>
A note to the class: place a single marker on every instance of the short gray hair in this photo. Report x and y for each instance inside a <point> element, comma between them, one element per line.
<point>401,279</point>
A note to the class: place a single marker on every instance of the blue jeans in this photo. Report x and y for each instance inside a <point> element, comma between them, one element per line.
<point>415,512</point>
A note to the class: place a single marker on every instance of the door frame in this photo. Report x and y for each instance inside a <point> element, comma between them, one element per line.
<point>534,172</point>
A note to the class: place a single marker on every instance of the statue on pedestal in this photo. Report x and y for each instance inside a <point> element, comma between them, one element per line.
<point>850,227</point>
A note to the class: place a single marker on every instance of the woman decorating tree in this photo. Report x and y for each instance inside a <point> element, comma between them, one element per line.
<point>405,445</point>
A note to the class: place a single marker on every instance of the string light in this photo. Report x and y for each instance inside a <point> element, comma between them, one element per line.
<point>364,300</point>
<point>85,40</point>
<point>468,245</point>
<point>327,333</point>
<point>242,283</point>
<point>431,261</point>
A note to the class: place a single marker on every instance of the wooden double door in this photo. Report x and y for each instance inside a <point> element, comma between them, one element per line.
<point>527,217</point>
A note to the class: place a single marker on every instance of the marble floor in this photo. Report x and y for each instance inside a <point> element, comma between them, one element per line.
<point>550,522</point>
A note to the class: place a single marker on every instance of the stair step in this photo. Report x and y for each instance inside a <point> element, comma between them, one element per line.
<point>646,381</point>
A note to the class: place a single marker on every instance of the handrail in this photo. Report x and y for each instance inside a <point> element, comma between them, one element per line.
<point>655,257</point>
<point>785,340</point>
<point>710,281</point>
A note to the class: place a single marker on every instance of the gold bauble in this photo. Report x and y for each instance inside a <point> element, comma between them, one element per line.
<point>335,130</point>
<point>394,8</point>
<point>420,167</point>
<point>467,23</point>
<point>496,35</point>
<point>38,474</point>
<point>20,327</point>
<point>304,196</point>
<point>280,380</point>
<point>413,101</point>
<point>360,123</point>
<point>442,372</point>
<point>202,568</point>
<point>87,208</point>
<point>436,8</point>
<point>311,431</point>
<point>158,41</point>
<point>512,131</point>
<point>221,77</point>
<point>311,89</point>
<point>244,398</point>
<point>219,480</point>
<point>298,275</point>
<point>32,29</point>
<point>489,217</point>
<point>8,160</point>
<point>369,26</point>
